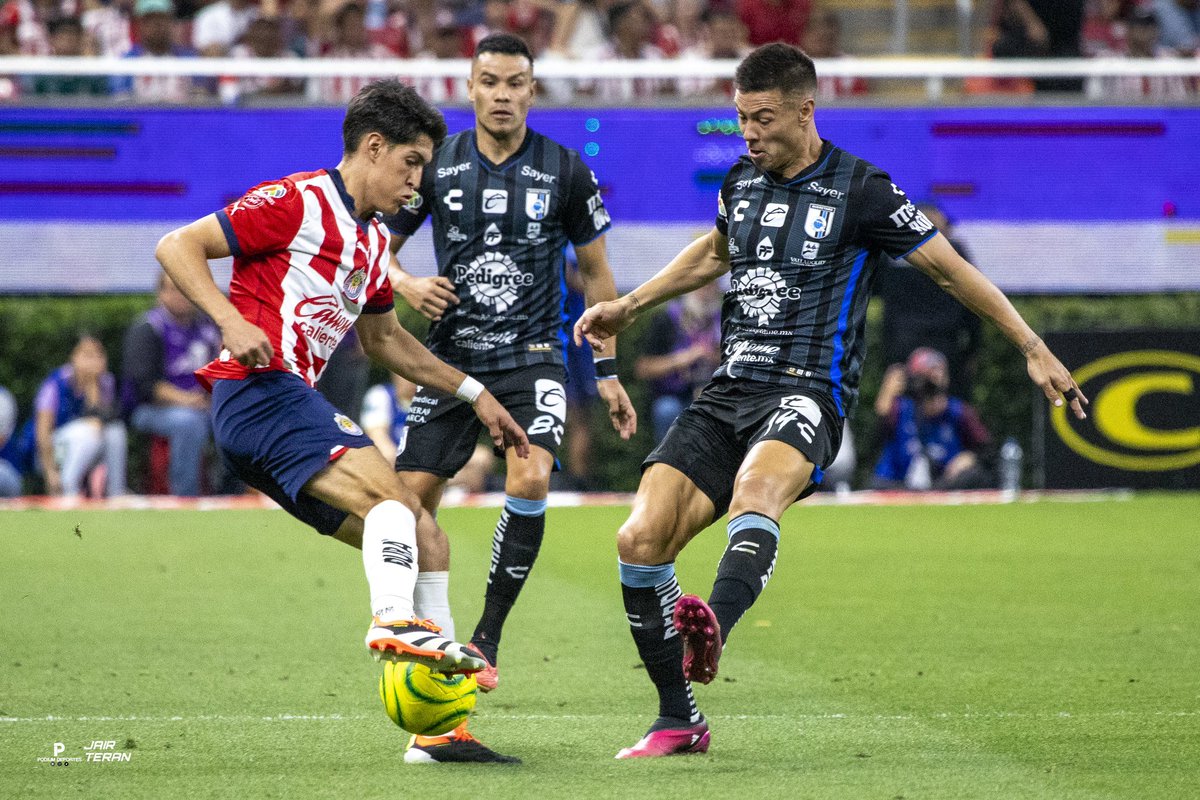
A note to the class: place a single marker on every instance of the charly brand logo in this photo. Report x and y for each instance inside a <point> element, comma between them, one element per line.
<point>1144,413</point>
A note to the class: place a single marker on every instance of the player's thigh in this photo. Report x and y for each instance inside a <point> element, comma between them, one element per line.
<point>667,512</point>
<point>771,478</point>
<point>427,486</point>
<point>528,478</point>
<point>358,481</point>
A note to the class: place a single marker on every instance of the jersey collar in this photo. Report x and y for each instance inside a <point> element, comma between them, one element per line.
<point>347,200</point>
<point>807,172</point>
<point>508,162</point>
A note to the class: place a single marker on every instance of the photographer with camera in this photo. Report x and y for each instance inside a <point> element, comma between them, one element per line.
<point>931,440</point>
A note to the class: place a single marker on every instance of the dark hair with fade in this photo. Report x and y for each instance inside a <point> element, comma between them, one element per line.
<point>393,110</point>
<point>505,44</point>
<point>776,66</point>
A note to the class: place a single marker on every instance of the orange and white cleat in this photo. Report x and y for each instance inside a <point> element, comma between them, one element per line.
<point>457,746</point>
<point>419,641</point>
<point>487,678</point>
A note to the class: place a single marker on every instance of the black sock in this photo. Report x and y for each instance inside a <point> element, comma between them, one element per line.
<point>744,569</point>
<point>515,547</point>
<point>649,604</point>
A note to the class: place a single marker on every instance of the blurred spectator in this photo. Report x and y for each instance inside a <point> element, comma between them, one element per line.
<point>931,440</point>
<point>106,24</point>
<point>721,35</point>
<point>1142,42</point>
<point>264,39</point>
<point>916,313</point>
<point>823,39</point>
<point>384,412</point>
<point>631,27</point>
<point>680,352</point>
<point>1179,22</point>
<point>350,40</point>
<point>30,19</point>
<point>156,39</point>
<point>10,87</point>
<point>581,391</point>
<point>162,351</point>
<point>67,39</point>
<point>10,476</point>
<point>1104,27</point>
<point>1040,29</point>
<point>219,26</point>
<point>775,20</point>
<point>77,424</point>
<point>443,40</point>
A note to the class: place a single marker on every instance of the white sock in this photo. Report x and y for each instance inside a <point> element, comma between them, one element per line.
<point>432,600</point>
<point>390,559</point>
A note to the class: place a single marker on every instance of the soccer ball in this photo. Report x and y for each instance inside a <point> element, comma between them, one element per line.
<point>424,702</point>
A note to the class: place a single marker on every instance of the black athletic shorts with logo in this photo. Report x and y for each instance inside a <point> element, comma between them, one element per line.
<point>711,437</point>
<point>442,430</point>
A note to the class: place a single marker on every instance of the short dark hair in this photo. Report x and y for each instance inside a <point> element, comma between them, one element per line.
<point>395,111</point>
<point>506,44</point>
<point>776,66</point>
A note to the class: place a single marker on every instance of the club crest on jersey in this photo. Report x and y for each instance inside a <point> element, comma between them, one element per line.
<point>495,201</point>
<point>347,425</point>
<point>491,236</point>
<point>819,221</point>
<point>537,203</point>
<point>353,286</point>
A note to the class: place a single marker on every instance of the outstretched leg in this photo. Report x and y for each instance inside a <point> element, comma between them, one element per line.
<point>668,511</point>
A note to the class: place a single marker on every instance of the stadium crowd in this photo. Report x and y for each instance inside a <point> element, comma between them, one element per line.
<point>591,30</point>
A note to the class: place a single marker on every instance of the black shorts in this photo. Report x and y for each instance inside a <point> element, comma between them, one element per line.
<point>442,430</point>
<point>711,437</point>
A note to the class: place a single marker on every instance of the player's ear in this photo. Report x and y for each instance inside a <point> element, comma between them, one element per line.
<point>807,106</point>
<point>374,145</point>
<point>533,88</point>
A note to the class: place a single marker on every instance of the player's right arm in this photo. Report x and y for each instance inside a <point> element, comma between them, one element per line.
<point>430,296</point>
<point>184,254</point>
<point>701,262</point>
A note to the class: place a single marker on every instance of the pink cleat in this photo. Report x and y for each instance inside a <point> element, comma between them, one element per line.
<point>670,742</point>
<point>487,678</point>
<point>701,633</point>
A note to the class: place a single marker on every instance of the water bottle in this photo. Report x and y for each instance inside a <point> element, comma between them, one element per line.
<point>1010,467</point>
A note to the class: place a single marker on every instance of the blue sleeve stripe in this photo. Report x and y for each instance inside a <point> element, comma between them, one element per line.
<point>230,236</point>
<point>919,245</point>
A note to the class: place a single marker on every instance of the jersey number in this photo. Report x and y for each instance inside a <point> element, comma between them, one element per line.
<point>547,423</point>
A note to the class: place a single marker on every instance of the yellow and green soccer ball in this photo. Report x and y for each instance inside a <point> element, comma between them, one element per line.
<point>424,702</point>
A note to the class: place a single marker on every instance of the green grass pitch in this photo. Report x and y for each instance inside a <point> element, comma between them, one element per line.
<point>1034,650</point>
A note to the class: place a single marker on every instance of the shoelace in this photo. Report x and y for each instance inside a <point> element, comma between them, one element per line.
<point>423,623</point>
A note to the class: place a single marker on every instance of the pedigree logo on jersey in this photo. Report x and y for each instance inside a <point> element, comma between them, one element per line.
<point>761,292</point>
<point>819,220</point>
<point>493,280</point>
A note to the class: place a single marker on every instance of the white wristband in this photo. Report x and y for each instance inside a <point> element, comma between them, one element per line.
<point>469,390</point>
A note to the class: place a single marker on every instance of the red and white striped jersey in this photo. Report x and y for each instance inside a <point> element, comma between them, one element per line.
<point>304,268</point>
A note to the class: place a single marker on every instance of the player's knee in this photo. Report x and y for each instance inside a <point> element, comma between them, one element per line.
<point>641,543</point>
<point>377,492</point>
<point>529,486</point>
<point>762,493</point>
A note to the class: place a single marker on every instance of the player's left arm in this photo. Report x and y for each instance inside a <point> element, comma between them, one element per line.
<point>386,341</point>
<point>598,287</point>
<point>938,259</point>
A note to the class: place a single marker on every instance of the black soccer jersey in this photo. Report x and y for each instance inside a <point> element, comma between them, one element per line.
<point>499,231</point>
<point>803,254</point>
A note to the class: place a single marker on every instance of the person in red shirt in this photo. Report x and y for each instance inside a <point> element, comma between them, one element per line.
<point>310,262</point>
<point>775,20</point>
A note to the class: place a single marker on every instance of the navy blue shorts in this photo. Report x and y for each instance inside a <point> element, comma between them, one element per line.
<point>277,432</point>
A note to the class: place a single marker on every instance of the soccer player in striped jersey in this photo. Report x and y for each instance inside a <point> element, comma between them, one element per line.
<point>310,261</point>
<point>505,201</point>
<point>801,226</point>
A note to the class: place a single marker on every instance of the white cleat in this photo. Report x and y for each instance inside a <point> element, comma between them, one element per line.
<point>419,641</point>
